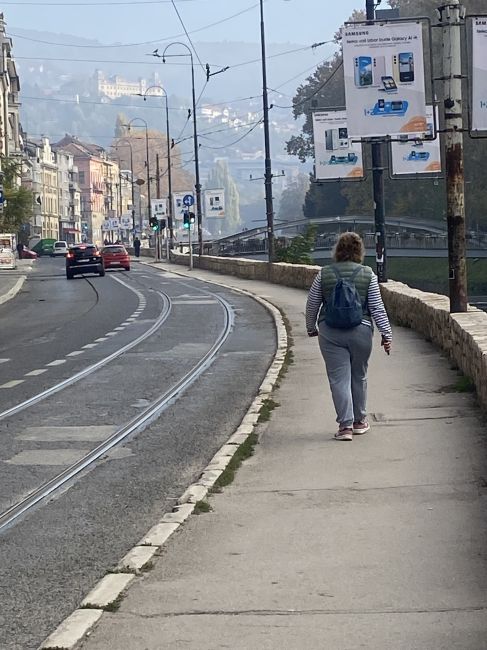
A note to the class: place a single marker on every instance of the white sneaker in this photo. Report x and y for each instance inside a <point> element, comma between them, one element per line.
<point>344,434</point>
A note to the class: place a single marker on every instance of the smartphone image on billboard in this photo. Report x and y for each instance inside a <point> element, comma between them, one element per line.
<point>363,71</point>
<point>378,70</point>
<point>406,67</point>
<point>329,140</point>
<point>388,84</point>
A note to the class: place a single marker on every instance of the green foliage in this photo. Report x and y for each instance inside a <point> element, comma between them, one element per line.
<point>18,200</point>
<point>298,251</point>
<point>291,203</point>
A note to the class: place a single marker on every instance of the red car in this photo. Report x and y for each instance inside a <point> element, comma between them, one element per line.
<point>115,256</point>
<point>27,254</point>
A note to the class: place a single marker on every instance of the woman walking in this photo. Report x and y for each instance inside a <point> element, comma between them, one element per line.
<point>343,302</point>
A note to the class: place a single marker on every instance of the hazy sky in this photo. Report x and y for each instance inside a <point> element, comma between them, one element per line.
<point>125,21</point>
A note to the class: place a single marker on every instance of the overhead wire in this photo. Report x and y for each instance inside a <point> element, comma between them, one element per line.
<point>158,40</point>
<point>187,35</point>
<point>230,144</point>
<point>319,89</point>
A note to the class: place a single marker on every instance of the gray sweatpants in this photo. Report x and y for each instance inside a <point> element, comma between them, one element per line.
<point>346,354</point>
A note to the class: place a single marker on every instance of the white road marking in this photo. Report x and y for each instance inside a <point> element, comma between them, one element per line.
<point>4,360</point>
<point>110,334</point>
<point>118,329</point>
<point>75,353</point>
<point>89,346</point>
<point>35,373</point>
<point>58,362</point>
<point>103,338</point>
<point>13,383</point>
<point>54,457</point>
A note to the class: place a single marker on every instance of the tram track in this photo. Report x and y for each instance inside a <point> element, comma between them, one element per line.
<point>135,425</point>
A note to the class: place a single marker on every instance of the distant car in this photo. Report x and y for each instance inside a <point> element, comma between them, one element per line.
<point>59,248</point>
<point>27,254</point>
<point>116,256</point>
<point>84,258</point>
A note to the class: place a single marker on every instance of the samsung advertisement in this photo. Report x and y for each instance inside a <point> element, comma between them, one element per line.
<point>384,79</point>
<point>479,74</point>
<point>413,157</point>
<point>336,156</point>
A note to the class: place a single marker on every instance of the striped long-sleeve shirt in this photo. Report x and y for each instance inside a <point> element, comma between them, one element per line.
<point>374,305</point>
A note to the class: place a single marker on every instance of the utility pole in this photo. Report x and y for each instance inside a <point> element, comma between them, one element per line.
<point>158,193</point>
<point>269,206</point>
<point>378,184</point>
<point>452,16</point>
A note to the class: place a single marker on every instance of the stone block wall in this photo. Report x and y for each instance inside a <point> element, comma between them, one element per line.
<point>462,336</point>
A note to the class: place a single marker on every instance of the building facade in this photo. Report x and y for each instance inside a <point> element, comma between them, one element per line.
<point>116,86</point>
<point>69,197</point>
<point>10,132</point>
<point>40,175</point>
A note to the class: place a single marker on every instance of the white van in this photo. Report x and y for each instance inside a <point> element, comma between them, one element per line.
<point>59,248</point>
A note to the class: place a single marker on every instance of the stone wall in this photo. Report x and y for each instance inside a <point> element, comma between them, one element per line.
<point>462,336</point>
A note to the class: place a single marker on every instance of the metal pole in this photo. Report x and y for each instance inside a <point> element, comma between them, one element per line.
<point>378,185</point>
<point>133,190</point>
<point>170,221</point>
<point>190,249</point>
<point>149,208</point>
<point>197,167</point>
<point>452,17</point>
<point>158,193</point>
<point>269,206</point>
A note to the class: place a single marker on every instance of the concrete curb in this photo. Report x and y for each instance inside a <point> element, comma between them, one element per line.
<point>11,293</point>
<point>112,587</point>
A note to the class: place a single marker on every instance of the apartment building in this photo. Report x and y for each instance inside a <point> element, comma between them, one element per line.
<point>98,178</point>
<point>116,86</point>
<point>10,131</point>
<point>69,197</point>
<point>40,175</point>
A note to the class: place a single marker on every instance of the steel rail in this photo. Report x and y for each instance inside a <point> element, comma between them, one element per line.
<point>166,310</point>
<point>134,426</point>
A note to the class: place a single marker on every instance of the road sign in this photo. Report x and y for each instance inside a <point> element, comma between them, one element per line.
<point>188,200</point>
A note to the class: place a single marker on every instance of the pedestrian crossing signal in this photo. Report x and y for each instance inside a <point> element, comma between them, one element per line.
<point>154,224</point>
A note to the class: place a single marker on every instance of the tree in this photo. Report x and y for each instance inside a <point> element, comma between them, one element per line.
<point>221,178</point>
<point>17,208</point>
<point>298,251</point>
<point>291,204</point>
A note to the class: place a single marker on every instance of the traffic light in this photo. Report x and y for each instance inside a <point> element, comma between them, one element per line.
<point>162,224</point>
<point>154,224</point>
<point>191,218</point>
<point>186,222</point>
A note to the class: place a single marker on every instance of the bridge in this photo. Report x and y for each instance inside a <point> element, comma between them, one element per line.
<point>405,237</point>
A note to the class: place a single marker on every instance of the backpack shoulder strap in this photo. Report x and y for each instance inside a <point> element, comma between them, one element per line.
<point>356,272</point>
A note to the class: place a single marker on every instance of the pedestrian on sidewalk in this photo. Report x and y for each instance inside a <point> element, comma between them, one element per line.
<point>137,247</point>
<point>20,250</point>
<point>343,302</point>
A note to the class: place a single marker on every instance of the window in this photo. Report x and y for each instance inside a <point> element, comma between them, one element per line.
<point>81,176</point>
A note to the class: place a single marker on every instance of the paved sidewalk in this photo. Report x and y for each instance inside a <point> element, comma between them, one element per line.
<point>11,280</point>
<point>379,543</point>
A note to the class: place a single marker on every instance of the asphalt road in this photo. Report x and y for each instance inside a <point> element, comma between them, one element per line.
<point>54,554</point>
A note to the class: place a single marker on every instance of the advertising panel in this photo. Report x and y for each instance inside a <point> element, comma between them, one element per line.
<point>126,222</point>
<point>159,208</point>
<point>105,225</point>
<point>179,207</point>
<point>479,74</point>
<point>417,156</point>
<point>336,156</point>
<point>215,203</point>
<point>384,79</point>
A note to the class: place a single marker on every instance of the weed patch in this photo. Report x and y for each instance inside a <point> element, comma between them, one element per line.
<point>268,405</point>
<point>244,451</point>
<point>201,507</point>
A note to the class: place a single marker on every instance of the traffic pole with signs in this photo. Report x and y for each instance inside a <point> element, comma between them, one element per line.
<point>188,201</point>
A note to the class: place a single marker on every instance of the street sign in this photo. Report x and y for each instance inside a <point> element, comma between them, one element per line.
<point>188,200</point>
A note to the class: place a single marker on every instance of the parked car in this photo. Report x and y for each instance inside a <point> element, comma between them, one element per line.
<point>59,248</point>
<point>27,254</point>
<point>84,258</point>
<point>115,256</point>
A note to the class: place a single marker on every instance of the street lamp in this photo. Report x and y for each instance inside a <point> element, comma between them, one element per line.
<point>268,163</point>
<point>127,142</point>
<point>195,131</point>
<point>169,172</point>
<point>147,159</point>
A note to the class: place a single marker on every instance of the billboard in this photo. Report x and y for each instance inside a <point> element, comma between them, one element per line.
<point>215,203</point>
<point>479,74</point>
<point>384,79</point>
<point>126,222</point>
<point>336,156</point>
<point>178,206</point>
<point>417,156</point>
<point>159,208</point>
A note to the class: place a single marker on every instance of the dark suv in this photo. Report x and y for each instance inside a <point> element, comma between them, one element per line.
<point>84,258</point>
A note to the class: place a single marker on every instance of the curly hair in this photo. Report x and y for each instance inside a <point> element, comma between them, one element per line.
<point>349,248</point>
